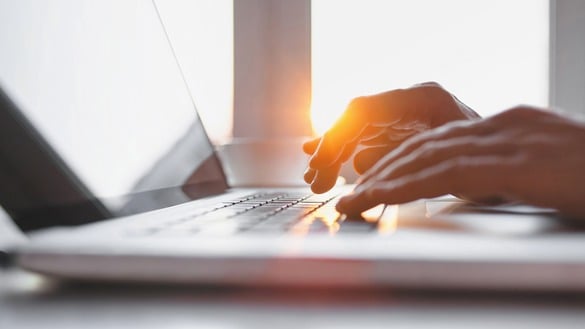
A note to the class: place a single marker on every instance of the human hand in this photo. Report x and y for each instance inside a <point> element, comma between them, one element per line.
<point>523,154</point>
<point>380,123</point>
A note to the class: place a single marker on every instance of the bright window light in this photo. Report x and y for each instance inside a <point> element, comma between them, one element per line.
<point>492,54</point>
<point>202,34</point>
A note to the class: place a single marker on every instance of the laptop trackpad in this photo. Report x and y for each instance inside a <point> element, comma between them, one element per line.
<point>451,214</point>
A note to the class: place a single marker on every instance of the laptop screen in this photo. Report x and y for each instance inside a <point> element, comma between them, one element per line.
<point>100,82</point>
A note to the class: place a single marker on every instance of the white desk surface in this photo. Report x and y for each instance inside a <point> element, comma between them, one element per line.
<point>31,301</point>
<point>28,301</point>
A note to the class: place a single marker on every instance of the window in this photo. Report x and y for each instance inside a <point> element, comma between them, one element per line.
<point>493,54</point>
<point>202,35</point>
<point>567,65</point>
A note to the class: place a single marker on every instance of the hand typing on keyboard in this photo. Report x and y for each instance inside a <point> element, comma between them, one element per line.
<point>422,142</point>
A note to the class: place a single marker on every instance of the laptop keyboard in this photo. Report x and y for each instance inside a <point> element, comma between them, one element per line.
<point>274,212</point>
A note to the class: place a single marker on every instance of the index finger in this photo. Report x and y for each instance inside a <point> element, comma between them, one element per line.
<point>311,146</point>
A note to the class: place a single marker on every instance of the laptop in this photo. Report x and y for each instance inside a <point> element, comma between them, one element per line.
<point>106,166</point>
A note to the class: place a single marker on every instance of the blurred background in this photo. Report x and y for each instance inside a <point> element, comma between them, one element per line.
<point>262,70</point>
<point>493,54</point>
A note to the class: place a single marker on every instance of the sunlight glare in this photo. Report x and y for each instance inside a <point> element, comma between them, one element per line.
<point>475,49</point>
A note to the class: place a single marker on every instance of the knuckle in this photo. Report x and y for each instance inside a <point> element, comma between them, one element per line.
<point>357,104</point>
<point>355,111</point>
<point>430,84</point>
<point>363,160</point>
<point>518,112</point>
<point>437,95</point>
<point>427,90</point>
<point>329,135</point>
<point>435,90</point>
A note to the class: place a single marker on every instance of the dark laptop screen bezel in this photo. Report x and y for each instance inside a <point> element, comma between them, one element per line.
<point>39,190</point>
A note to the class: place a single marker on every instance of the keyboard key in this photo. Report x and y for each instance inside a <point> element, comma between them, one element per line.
<point>261,211</point>
<point>316,227</point>
<point>222,228</point>
<point>221,213</point>
<point>281,219</point>
<point>270,224</point>
<point>356,227</point>
<point>318,198</point>
<point>247,221</point>
<point>265,230</point>
<point>296,212</point>
<point>264,212</point>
